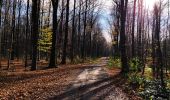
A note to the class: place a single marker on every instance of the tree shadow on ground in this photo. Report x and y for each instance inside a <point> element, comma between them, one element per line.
<point>99,89</point>
<point>9,79</point>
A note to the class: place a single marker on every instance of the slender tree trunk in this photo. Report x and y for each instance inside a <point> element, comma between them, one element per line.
<point>48,16</point>
<point>168,31</point>
<point>84,33</point>
<point>11,49</point>
<point>147,41</point>
<point>66,34</point>
<point>133,29</point>
<point>27,30</point>
<point>0,10</point>
<point>13,32</point>
<point>35,32</point>
<point>60,38</point>
<point>153,49</point>
<point>161,62</point>
<point>157,12</point>
<point>0,31</point>
<point>48,25</point>
<point>18,28</point>
<point>4,46</point>
<point>55,25</point>
<point>73,32</point>
<point>79,30</point>
<point>123,8</point>
<point>41,27</point>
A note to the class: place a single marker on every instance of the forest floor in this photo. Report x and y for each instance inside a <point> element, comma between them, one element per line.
<point>91,81</point>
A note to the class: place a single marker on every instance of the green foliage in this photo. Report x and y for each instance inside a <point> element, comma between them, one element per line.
<point>110,63</point>
<point>168,83</point>
<point>134,64</point>
<point>45,40</point>
<point>148,73</point>
<point>154,91</point>
<point>117,62</point>
<point>135,80</point>
<point>149,89</point>
<point>114,62</point>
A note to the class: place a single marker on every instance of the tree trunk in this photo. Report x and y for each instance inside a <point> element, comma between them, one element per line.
<point>18,29</point>
<point>157,12</point>
<point>0,31</point>
<point>66,34</point>
<point>84,33</point>
<point>27,30</point>
<point>13,32</point>
<point>133,27</point>
<point>123,8</point>
<point>79,30</point>
<point>55,25</point>
<point>73,32</point>
<point>35,32</point>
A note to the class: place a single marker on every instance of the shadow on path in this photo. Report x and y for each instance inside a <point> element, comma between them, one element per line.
<point>100,90</point>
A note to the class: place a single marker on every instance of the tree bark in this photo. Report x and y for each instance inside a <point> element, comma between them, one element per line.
<point>123,8</point>
<point>35,31</point>
<point>27,30</point>
<point>84,33</point>
<point>133,29</point>
<point>66,34</point>
<point>157,12</point>
<point>0,30</point>
<point>55,25</point>
<point>73,32</point>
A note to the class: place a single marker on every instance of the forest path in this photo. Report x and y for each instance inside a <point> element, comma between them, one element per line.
<point>90,81</point>
<point>94,83</point>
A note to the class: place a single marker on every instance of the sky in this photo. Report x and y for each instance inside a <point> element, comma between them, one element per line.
<point>105,14</point>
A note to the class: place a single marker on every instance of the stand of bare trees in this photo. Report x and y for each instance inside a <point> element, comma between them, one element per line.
<point>142,34</point>
<point>35,30</point>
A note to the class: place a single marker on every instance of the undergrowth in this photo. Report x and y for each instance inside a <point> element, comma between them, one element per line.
<point>114,62</point>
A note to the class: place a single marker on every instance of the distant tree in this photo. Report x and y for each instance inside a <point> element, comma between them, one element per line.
<point>0,10</point>
<point>79,29</point>
<point>61,27</point>
<point>0,30</point>
<point>158,51</point>
<point>66,34</point>
<point>115,28</point>
<point>84,30</point>
<point>27,32</point>
<point>133,29</point>
<point>45,40</point>
<point>11,49</point>
<point>18,30</point>
<point>140,32</point>
<point>73,32</point>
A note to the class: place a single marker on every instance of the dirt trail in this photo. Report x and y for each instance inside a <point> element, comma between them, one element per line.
<point>69,82</point>
<point>94,83</point>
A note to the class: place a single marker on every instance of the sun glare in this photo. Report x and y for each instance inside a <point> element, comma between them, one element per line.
<point>149,3</point>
